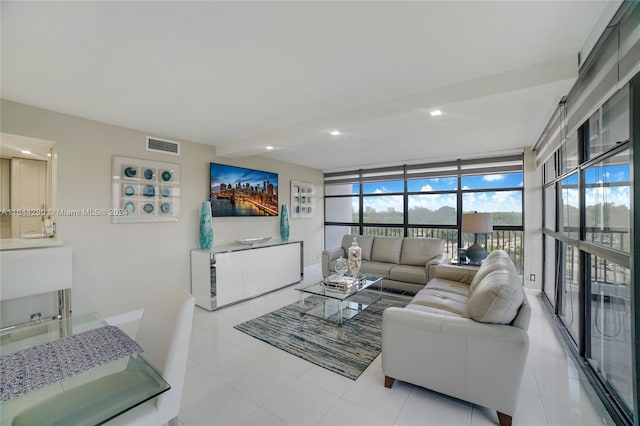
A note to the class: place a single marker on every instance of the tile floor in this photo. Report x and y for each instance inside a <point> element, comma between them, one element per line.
<point>234,379</point>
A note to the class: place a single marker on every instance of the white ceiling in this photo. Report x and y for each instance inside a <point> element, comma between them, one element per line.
<point>16,146</point>
<point>243,75</point>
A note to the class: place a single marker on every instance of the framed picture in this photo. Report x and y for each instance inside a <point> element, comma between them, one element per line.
<point>303,199</point>
<point>145,191</point>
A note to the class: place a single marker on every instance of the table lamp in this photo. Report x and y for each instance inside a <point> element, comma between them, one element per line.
<point>476,223</point>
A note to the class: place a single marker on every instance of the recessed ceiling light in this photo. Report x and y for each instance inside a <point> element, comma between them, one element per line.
<point>268,147</point>
<point>436,113</point>
<point>335,133</point>
<point>24,151</point>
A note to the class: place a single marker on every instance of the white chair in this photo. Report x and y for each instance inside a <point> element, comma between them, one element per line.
<point>164,333</point>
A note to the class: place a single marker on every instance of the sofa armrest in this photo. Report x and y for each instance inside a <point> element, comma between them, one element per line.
<point>327,257</point>
<point>431,263</point>
<point>478,362</point>
<point>461,274</point>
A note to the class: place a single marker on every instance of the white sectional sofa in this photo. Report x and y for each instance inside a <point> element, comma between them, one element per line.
<point>405,262</point>
<point>463,335</point>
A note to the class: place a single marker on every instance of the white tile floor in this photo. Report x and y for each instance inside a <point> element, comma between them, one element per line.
<point>234,379</point>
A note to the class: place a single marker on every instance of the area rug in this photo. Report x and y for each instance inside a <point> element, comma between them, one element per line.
<point>346,349</point>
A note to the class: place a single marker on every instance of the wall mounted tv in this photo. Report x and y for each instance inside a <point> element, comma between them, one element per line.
<point>238,191</point>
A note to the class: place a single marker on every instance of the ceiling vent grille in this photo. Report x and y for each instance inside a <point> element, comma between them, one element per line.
<point>162,145</point>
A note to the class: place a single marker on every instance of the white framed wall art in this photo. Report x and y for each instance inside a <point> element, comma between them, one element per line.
<point>145,191</point>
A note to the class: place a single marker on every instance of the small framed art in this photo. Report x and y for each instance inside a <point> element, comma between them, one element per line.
<point>303,199</point>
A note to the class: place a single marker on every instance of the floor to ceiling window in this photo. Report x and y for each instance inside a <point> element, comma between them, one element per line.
<point>428,200</point>
<point>587,241</point>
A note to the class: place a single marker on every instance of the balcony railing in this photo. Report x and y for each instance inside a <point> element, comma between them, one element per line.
<point>507,240</point>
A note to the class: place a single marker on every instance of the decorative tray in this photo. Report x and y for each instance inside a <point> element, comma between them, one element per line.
<point>343,283</point>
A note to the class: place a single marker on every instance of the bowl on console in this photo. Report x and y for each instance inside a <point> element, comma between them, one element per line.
<point>253,241</point>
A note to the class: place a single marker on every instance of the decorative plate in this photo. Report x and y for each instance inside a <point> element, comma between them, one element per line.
<point>129,207</point>
<point>130,171</point>
<point>148,191</point>
<point>165,207</point>
<point>148,174</point>
<point>166,176</point>
<point>166,192</point>
<point>128,190</point>
<point>253,241</point>
<point>148,208</point>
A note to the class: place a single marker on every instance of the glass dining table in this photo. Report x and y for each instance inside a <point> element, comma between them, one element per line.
<point>90,397</point>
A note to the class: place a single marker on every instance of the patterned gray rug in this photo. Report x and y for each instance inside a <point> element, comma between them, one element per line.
<point>346,349</point>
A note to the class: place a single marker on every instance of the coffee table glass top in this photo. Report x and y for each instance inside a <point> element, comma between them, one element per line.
<point>330,286</point>
<point>341,296</point>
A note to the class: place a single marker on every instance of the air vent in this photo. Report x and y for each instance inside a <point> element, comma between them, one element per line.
<point>161,145</point>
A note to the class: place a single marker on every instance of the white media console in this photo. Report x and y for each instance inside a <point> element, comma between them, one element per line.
<point>231,273</point>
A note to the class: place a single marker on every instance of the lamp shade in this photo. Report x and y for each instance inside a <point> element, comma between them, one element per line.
<point>477,223</point>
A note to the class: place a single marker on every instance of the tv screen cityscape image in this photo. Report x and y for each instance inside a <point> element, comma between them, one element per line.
<point>238,191</point>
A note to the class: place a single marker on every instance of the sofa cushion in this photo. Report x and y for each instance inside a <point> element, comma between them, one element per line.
<point>418,251</point>
<point>376,268</point>
<point>496,260</point>
<point>429,309</point>
<point>386,249</point>
<point>442,300</point>
<point>450,286</point>
<point>409,274</point>
<point>496,298</point>
<point>364,241</point>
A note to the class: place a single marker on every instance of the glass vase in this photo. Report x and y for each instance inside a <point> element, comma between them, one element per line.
<point>284,223</point>
<point>206,227</point>
<point>355,258</point>
<point>341,267</point>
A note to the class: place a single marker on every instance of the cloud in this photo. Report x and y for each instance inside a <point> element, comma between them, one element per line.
<point>570,196</point>
<point>620,177</point>
<point>382,204</point>
<point>432,201</point>
<point>620,196</point>
<point>499,201</point>
<point>426,188</point>
<point>493,178</point>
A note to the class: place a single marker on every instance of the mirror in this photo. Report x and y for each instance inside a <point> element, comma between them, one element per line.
<point>27,186</point>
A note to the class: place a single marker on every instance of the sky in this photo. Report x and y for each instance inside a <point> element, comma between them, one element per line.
<point>221,173</point>
<point>600,176</point>
<point>498,201</point>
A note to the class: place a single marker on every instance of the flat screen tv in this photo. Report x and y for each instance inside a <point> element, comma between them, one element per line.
<point>238,191</point>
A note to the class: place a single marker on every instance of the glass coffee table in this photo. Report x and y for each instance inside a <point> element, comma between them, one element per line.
<point>342,297</point>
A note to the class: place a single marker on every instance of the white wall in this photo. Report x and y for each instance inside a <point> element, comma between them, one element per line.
<point>116,265</point>
<point>532,221</point>
<point>5,181</point>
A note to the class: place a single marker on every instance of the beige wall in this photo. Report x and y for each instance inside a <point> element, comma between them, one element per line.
<point>532,221</point>
<point>116,265</point>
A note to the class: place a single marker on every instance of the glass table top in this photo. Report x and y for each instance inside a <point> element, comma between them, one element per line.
<point>330,286</point>
<point>91,397</point>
